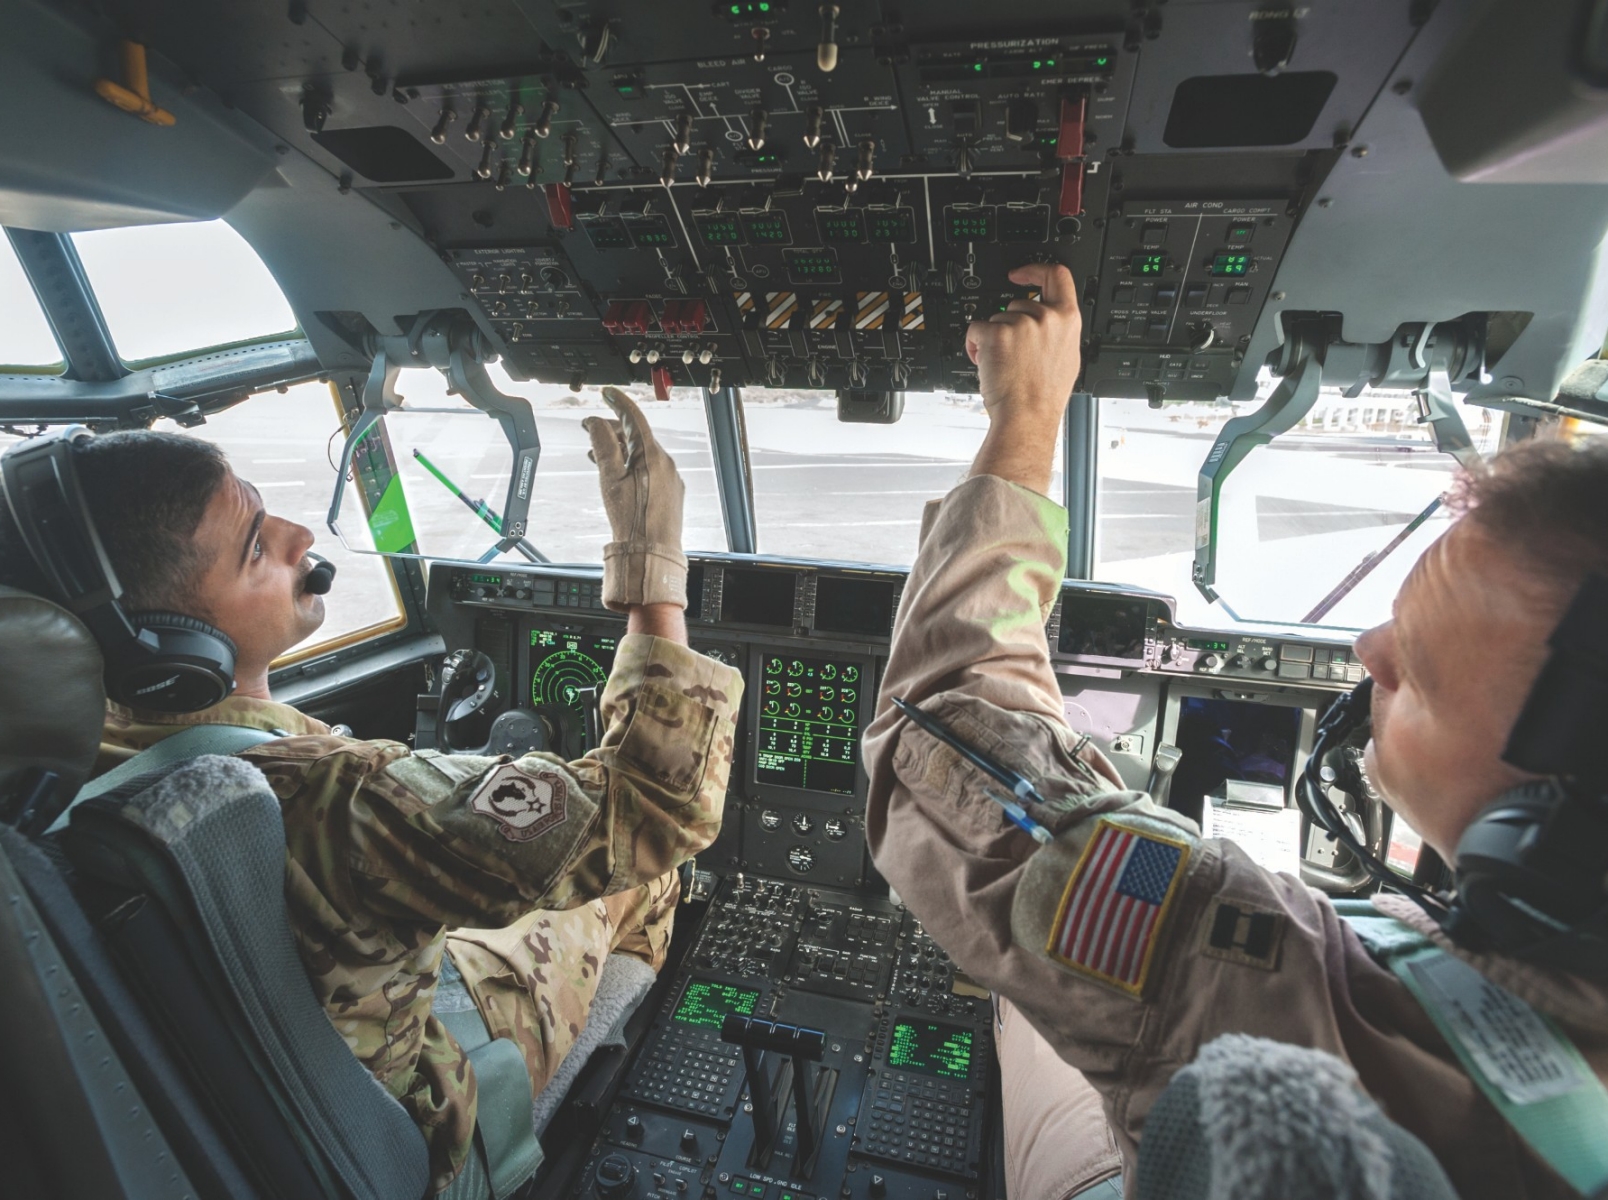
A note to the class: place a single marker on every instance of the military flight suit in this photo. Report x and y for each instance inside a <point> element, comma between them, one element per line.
<point>528,872</point>
<point>1217,945</point>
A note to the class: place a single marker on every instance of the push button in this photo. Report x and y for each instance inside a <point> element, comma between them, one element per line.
<point>1195,295</point>
<point>1154,236</point>
<point>1239,295</point>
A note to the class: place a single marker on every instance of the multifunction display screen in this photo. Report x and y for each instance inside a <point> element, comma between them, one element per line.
<point>561,664</point>
<point>862,606</point>
<point>708,1003</point>
<point>758,598</point>
<point>1104,626</point>
<point>1235,741</point>
<point>932,1049</point>
<point>809,724</point>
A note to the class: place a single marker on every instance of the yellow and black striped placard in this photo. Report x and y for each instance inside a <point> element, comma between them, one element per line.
<point>824,313</point>
<point>870,309</point>
<point>779,309</point>
<point>914,316</point>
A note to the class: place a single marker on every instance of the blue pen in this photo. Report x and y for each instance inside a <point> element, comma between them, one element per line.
<point>1019,785</point>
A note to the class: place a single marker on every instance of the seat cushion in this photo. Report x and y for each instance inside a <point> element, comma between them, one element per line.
<point>52,699</point>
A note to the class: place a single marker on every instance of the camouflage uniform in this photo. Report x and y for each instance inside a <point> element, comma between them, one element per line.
<point>538,867</point>
<point>1233,948</point>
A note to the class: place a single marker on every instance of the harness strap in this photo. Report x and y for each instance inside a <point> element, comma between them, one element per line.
<point>1524,1064</point>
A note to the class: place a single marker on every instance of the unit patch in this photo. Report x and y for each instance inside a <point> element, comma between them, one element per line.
<point>1246,936</point>
<point>524,804</point>
<point>1115,903</point>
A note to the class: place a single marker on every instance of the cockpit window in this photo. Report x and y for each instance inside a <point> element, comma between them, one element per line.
<point>825,489</point>
<point>173,290</point>
<point>26,343</point>
<point>1297,517</point>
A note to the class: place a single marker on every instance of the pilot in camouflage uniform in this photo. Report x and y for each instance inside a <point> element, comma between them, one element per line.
<point>529,873</point>
<point>1210,943</point>
<point>538,868</point>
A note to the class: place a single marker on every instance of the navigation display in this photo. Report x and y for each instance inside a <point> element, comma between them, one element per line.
<point>708,1003</point>
<point>809,724</point>
<point>931,1048</point>
<point>1094,626</point>
<point>561,664</point>
<point>862,606</point>
<point>1234,742</point>
<point>757,598</point>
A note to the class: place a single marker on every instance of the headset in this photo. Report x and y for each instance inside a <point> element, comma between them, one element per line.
<point>163,661</point>
<point>1530,874</point>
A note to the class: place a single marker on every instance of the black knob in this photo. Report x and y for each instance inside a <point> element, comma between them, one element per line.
<point>633,1127</point>
<point>689,1141</point>
<point>614,1177</point>
<point>879,1186</point>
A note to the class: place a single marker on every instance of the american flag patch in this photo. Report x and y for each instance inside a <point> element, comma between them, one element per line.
<point>1114,904</point>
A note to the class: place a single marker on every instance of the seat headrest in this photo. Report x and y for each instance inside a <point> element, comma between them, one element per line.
<point>52,698</point>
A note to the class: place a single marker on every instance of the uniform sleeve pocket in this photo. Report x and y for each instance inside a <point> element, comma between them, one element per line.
<point>667,741</point>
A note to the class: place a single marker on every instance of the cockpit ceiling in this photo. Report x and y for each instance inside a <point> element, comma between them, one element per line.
<point>680,195</point>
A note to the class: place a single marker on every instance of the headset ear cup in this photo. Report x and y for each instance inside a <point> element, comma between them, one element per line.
<point>178,664</point>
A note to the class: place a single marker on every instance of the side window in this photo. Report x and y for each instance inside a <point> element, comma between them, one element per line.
<point>284,444</point>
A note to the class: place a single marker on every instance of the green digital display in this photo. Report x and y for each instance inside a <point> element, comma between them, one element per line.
<point>891,226</point>
<point>969,223</point>
<point>931,1049</point>
<point>811,266</point>
<point>708,1004</point>
<point>606,233</point>
<point>809,718</point>
<point>1230,264</point>
<point>562,664</point>
<point>1025,223</point>
<point>494,580</point>
<point>718,229</point>
<point>767,228</point>
<point>840,226</point>
<point>1147,264</point>
<point>750,10</point>
<point>1208,644</point>
<point>650,231</point>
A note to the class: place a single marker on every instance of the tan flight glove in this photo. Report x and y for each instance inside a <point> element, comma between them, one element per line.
<point>642,494</point>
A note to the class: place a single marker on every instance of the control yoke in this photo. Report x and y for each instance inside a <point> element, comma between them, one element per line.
<point>454,345</point>
<point>1427,358</point>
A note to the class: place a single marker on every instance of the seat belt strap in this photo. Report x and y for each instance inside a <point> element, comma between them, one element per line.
<point>503,1126</point>
<point>1524,1064</point>
<point>190,742</point>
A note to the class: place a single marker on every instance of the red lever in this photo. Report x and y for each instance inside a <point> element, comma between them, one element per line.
<point>661,383</point>
<point>614,317</point>
<point>560,209</point>
<point>1069,140</point>
<point>1071,189</point>
<point>638,316</point>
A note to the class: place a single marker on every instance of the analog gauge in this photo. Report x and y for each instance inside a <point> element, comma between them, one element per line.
<point>773,666</point>
<point>772,707</point>
<point>773,687</point>
<point>829,671</point>
<point>823,713</point>
<point>770,819</point>
<point>793,709</point>
<point>848,695</point>
<point>801,859</point>
<point>851,674</point>
<point>722,655</point>
<point>848,716</point>
<point>795,668</point>
<point>825,693</point>
<point>836,829</point>
<point>795,690</point>
<point>802,824</point>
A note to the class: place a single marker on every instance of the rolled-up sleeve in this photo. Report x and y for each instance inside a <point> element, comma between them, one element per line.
<point>461,840</point>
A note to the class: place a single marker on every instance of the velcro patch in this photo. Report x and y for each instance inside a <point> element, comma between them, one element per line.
<point>525,804</point>
<point>1247,936</point>
<point>1115,903</point>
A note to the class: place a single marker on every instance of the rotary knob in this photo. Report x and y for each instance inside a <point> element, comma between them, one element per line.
<point>689,1141</point>
<point>1211,662</point>
<point>614,1177</point>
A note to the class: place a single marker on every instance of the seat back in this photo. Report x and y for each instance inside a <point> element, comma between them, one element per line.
<point>203,936</point>
<point>52,698</point>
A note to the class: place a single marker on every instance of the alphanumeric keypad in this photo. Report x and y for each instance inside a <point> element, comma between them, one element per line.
<point>694,1073</point>
<point>910,1119</point>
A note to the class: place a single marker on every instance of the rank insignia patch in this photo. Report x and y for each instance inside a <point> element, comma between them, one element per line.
<point>524,804</point>
<point>1114,905</point>
<point>1246,936</point>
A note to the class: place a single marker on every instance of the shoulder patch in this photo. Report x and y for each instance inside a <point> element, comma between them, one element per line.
<point>1115,902</point>
<point>525,804</point>
<point>1237,934</point>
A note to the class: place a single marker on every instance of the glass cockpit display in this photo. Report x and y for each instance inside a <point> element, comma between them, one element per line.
<point>931,1048</point>
<point>1228,742</point>
<point>562,664</point>
<point>809,723</point>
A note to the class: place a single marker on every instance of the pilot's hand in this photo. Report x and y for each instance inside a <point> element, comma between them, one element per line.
<point>1027,363</point>
<point>642,494</point>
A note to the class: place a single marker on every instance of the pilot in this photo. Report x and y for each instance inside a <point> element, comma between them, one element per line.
<point>1100,1001</point>
<point>520,876</point>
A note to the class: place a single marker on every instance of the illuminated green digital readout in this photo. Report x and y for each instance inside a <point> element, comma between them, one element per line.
<point>969,224</point>
<point>1231,264</point>
<point>767,229</point>
<point>840,227</point>
<point>1029,224</point>
<point>809,717</point>
<point>1147,264</point>
<point>708,1003</point>
<point>563,664</point>
<point>889,226</point>
<point>651,232</point>
<point>810,266</point>
<point>932,1049</point>
<point>606,233</point>
<point>751,10</point>
<point>719,229</point>
<point>1207,644</point>
<point>494,580</point>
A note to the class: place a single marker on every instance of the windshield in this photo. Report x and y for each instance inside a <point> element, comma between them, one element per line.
<point>826,489</point>
<point>1297,516</point>
<point>25,337</point>
<point>167,290</point>
<point>466,449</point>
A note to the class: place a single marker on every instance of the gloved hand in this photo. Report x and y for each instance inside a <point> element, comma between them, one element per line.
<point>642,494</point>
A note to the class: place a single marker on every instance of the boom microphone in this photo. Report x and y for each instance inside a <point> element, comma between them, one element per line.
<point>321,578</point>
